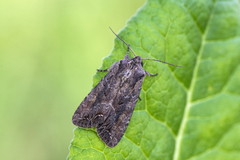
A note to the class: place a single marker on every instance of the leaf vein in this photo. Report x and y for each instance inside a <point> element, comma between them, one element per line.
<point>189,94</point>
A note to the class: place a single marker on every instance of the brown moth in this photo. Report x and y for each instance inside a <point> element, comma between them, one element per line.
<point>109,106</point>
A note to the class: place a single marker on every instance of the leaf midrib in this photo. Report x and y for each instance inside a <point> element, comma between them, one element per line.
<point>191,88</point>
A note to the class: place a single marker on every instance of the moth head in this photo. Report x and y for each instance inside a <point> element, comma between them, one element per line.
<point>137,59</point>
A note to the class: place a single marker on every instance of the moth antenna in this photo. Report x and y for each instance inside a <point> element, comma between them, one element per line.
<point>128,52</point>
<point>123,41</point>
<point>135,54</point>
<point>162,62</point>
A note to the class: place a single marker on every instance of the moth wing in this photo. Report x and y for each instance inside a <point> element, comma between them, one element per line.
<point>113,128</point>
<point>92,111</point>
<point>109,106</point>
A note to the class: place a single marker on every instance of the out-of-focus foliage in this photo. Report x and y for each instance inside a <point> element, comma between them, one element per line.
<point>49,50</point>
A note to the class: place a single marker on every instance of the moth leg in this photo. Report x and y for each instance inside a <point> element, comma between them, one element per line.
<point>139,98</point>
<point>151,75</point>
<point>114,65</point>
<point>105,70</point>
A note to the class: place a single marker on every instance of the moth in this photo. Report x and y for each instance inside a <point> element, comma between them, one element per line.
<point>110,104</point>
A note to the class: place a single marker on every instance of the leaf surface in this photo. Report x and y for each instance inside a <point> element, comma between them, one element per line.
<point>185,113</point>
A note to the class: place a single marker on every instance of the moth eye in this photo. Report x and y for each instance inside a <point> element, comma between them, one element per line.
<point>142,64</point>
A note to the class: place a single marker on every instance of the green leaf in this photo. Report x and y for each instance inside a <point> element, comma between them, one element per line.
<point>185,113</point>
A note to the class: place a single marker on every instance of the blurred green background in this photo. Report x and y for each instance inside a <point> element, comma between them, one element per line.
<point>49,51</point>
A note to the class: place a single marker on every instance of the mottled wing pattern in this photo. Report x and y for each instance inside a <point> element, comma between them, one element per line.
<point>109,106</point>
<point>92,111</point>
